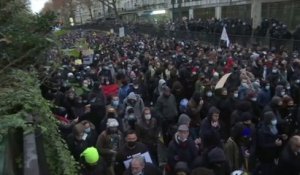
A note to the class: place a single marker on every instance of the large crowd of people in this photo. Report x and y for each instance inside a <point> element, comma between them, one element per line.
<point>146,106</point>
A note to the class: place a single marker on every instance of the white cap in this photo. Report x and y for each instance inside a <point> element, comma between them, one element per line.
<point>237,172</point>
<point>111,122</point>
<point>70,74</point>
<point>216,74</point>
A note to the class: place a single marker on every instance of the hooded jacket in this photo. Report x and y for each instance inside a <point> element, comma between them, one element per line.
<point>138,107</point>
<point>167,107</point>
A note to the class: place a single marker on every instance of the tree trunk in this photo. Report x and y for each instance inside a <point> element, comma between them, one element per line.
<point>91,14</point>
<point>116,11</point>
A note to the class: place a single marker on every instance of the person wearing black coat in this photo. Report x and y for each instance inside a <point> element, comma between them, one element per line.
<point>289,161</point>
<point>97,105</point>
<point>212,125</point>
<point>131,147</point>
<point>269,144</point>
<point>181,148</point>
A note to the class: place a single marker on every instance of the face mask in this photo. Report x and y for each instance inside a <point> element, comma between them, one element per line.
<point>87,130</point>
<point>131,144</point>
<point>115,103</point>
<point>298,81</point>
<point>85,85</point>
<point>274,70</point>
<point>235,95</point>
<point>148,116</point>
<point>84,136</point>
<point>267,87</point>
<point>182,139</point>
<point>282,93</point>
<point>131,117</point>
<point>113,130</point>
<point>245,84</point>
<point>111,115</point>
<point>254,99</point>
<point>274,122</point>
<point>209,94</point>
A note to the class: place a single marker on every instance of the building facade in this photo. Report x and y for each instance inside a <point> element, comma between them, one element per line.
<point>287,11</point>
<point>85,13</point>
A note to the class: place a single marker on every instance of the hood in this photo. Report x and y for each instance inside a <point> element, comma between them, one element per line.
<point>268,116</point>
<point>161,82</point>
<point>211,111</point>
<point>278,90</point>
<point>132,96</point>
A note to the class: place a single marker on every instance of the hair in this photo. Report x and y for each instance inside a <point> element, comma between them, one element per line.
<point>78,129</point>
<point>130,132</point>
<point>146,108</point>
<point>139,159</point>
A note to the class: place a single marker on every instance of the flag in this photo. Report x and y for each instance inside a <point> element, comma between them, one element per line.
<point>225,37</point>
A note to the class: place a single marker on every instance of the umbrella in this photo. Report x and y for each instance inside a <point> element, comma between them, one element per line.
<point>222,81</point>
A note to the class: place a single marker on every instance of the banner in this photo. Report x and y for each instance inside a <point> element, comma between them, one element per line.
<point>121,32</point>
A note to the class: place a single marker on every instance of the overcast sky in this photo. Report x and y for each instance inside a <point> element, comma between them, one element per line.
<point>37,5</point>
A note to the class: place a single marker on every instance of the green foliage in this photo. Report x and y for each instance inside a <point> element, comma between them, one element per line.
<point>61,33</point>
<point>23,35</point>
<point>24,38</point>
<point>17,101</point>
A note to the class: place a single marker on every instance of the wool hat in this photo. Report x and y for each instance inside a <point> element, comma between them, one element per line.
<point>183,128</point>
<point>91,155</point>
<point>216,155</point>
<point>183,120</point>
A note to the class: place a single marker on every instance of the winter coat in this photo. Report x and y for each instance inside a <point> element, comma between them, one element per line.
<point>267,150</point>
<point>289,162</point>
<point>167,107</point>
<point>148,132</point>
<point>181,151</point>
<point>138,107</point>
<point>232,152</point>
<point>125,153</point>
<point>107,143</point>
<point>263,97</point>
<point>193,110</point>
<point>76,147</point>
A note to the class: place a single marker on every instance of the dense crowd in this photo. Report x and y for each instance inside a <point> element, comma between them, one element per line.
<point>144,105</point>
<point>272,27</point>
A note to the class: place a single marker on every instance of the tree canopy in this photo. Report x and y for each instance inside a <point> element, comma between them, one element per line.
<point>25,39</point>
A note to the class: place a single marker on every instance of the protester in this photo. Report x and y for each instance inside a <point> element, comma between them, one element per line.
<point>223,129</point>
<point>138,166</point>
<point>131,147</point>
<point>92,162</point>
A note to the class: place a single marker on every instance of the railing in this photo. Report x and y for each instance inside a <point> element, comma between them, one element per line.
<point>22,153</point>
